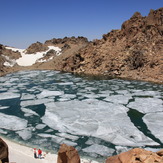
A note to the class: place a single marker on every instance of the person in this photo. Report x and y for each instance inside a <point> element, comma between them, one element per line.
<point>39,153</point>
<point>35,154</point>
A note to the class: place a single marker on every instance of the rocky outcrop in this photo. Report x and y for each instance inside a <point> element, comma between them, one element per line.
<point>137,155</point>
<point>68,154</point>
<point>135,51</point>
<point>3,151</point>
<point>36,47</point>
<point>66,40</point>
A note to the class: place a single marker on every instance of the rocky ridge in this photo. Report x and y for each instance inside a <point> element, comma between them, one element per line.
<point>134,52</point>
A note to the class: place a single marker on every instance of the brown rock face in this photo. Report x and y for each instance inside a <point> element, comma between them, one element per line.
<point>68,154</point>
<point>135,51</point>
<point>66,40</point>
<point>36,47</point>
<point>3,151</point>
<point>136,155</point>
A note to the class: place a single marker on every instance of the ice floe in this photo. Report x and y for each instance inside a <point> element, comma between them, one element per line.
<point>99,149</point>
<point>25,134</point>
<point>9,95</point>
<point>119,99</point>
<point>54,138</point>
<point>146,105</point>
<point>26,96</point>
<point>68,136</point>
<point>88,117</point>
<point>28,112</point>
<point>40,126</point>
<point>47,93</point>
<point>12,122</point>
<point>154,124</point>
<point>4,107</point>
<point>35,102</point>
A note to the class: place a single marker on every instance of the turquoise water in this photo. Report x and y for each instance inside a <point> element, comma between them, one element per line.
<point>99,118</point>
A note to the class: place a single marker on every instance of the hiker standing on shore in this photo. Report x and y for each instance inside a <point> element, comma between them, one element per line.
<point>39,153</point>
<point>35,154</point>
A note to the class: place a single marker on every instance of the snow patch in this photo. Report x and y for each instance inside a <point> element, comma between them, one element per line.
<point>30,59</point>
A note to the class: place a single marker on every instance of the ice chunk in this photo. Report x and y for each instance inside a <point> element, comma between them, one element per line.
<point>3,132</point>
<point>28,112</point>
<point>35,102</point>
<point>55,138</point>
<point>4,107</point>
<point>25,134</point>
<point>99,149</point>
<point>120,99</point>
<point>68,136</point>
<point>47,93</point>
<point>154,124</point>
<point>26,96</point>
<point>40,126</point>
<point>12,122</point>
<point>120,149</point>
<point>70,143</point>
<point>146,105</point>
<point>8,95</point>
<point>66,83</point>
<point>91,141</point>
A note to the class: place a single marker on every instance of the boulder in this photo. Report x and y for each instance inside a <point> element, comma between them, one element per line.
<point>68,154</point>
<point>136,155</point>
<point>3,151</point>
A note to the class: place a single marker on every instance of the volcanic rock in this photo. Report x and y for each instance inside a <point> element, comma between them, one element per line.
<point>136,155</point>
<point>134,52</point>
<point>68,154</point>
<point>3,151</point>
<point>36,47</point>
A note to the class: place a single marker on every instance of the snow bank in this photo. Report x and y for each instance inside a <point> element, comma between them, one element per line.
<point>30,59</point>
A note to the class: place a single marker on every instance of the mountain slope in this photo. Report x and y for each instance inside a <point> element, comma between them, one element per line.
<point>134,52</point>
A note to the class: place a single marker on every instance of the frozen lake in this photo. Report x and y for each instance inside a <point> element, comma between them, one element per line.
<point>98,117</point>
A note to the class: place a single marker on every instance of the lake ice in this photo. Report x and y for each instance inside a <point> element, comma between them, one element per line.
<point>50,108</point>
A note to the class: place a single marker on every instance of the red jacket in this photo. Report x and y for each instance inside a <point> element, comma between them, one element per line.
<point>39,152</point>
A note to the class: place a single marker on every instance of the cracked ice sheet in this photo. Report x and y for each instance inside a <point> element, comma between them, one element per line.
<point>119,99</point>
<point>146,105</point>
<point>25,134</point>
<point>26,96</point>
<point>154,124</point>
<point>56,139</point>
<point>35,102</point>
<point>8,95</point>
<point>99,149</point>
<point>95,118</point>
<point>46,93</point>
<point>12,122</point>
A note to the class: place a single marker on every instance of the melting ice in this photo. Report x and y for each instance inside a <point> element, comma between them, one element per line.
<point>50,108</point>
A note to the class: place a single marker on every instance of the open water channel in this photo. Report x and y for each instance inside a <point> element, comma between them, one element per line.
<point>99,118</point>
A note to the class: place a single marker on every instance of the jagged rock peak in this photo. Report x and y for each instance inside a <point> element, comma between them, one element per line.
<point>66,40</point>
<point>36,47</point>
<point>136,15</point>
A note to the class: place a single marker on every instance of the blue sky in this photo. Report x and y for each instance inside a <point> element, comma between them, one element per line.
<point>24,22</point>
